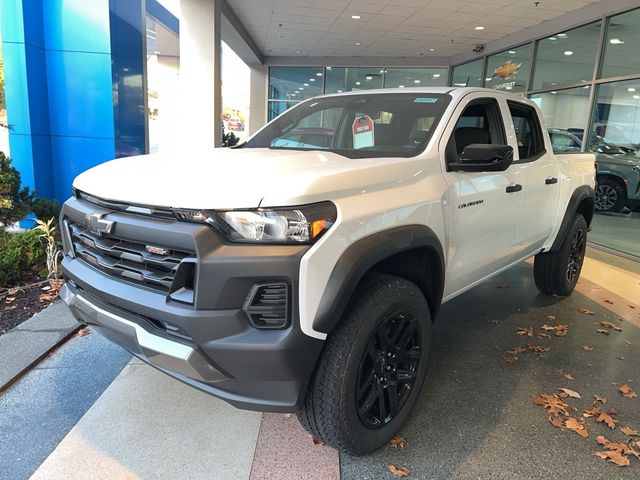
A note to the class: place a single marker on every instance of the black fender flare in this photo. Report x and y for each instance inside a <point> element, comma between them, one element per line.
<point>578,196</point>
<point>360,257</point>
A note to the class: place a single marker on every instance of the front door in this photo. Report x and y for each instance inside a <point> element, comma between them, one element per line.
<point>484,206</point>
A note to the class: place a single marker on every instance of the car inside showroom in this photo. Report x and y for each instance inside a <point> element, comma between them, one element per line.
<point>319,239</point>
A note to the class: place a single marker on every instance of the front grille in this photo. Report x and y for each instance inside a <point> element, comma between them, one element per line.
<point>125,259</point>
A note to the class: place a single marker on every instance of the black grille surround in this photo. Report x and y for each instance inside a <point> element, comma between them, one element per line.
<point>267,305</point>
<point>129,260</point>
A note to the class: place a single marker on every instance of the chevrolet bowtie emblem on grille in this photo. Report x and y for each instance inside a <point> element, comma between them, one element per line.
<point>97,225</point>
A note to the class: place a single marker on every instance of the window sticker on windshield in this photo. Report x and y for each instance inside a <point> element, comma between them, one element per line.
<point>363,133</point>
<point>425,100</point>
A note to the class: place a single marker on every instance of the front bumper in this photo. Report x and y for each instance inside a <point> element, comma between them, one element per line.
<point>217,349</point>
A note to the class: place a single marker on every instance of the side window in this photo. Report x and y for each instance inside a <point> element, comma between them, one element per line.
<point>481,123</point>
<point>528,131</point>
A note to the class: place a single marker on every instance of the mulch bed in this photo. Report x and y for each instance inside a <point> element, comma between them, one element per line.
<point>21,302</point>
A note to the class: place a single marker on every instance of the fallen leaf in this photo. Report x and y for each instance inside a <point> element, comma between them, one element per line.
<point>83,332</point>
<point>575,425</point>
<point>517,350</point>
<point>510,359</point>
<point>586,311</point>
<point>604,332</point>
<point>542,335</point>
<point>627,343</point>
<point>8,300</point>
<point>608,301</point>
<point>556,421</point>
<point>561,330</point>
<point>551,317</point>
<point>614,457</point>
<point>399,472</point>
<point>630,432</point>
<point>568,376</point>
<point>315,440</point>
<point>620,357</point>
<point>613,411</point>
<point>610,325</point>
<point>627,391</point>
<point>617,446</point>
<point>537,349</point>
<point>553,403</point>
<point>587,348</point>
<point>547,328</point>
<point>632,307</point>
<point>598,398</point>
<point>398,442</point>
<point>638,444</point>
<point>608,420</point>
<point>591,411</point>
<point>570,393</point>
<point>522,331</point>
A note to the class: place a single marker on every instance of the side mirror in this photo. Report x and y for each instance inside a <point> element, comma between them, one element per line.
<point>484,158</point>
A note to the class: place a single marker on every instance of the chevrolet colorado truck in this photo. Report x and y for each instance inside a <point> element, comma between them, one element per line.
<point>302,271</point>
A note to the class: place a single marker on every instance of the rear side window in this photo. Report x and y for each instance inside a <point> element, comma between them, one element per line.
<point>528,131</point>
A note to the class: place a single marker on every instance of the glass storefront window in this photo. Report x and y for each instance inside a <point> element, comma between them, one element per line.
<point>415,77</point>
<point>567,57</point>
<point>621,45</point>
<point>565,113</point>
<point>343,79</point>
<point>4,128</point>
<point>295,83</point>
<point>276,108</point>
<point>468,74</point>
<point>615,139</point>
<point>509,70</point>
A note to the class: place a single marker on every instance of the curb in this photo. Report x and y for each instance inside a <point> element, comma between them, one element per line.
<point>24,346</point>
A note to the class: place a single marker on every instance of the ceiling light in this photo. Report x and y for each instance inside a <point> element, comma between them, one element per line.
<point>636,97</point>
<point>319,74</point>
<point>512,52</point>
<point>339,91</point>
<point>479,27</point>
<point>298,52</point>
<point>357,83</point>
<point>369,77</point>
<point>554,93</point>
<point>436,75</point>
<point>312,79</point>
<point>432,49</point>
<point>631,89</point>
<point>562,35</point>
<point>355,17</point>
<point>416,81</point>
<point>615,41</point>
<point>552,38</point>
<point>400,86</point>
<point>301,88</point>
<point>381,71</point>
<point>358,44</point>
<point>328,68</point>
<point>568,53</point>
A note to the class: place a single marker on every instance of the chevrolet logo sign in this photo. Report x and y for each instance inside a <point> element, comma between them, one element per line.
<point>97,225</point>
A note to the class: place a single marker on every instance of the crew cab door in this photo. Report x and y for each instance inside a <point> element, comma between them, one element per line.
<point>540,170</point>
<point>484,208</point>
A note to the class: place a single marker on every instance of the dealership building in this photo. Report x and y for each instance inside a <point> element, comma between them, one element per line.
<point>88,81</point>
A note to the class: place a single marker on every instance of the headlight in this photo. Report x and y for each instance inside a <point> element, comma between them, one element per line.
<point>303,224</point>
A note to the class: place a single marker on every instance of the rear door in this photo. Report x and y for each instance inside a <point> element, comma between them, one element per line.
<point>540,170</point>
<point>484,207</point>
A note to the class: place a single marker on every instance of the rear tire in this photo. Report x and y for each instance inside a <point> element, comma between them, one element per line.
<point>558,272</point>
<point>371,370</point>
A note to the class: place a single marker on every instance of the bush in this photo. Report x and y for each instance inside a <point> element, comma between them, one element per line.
<point>15,202</point>
<point>43,208</point>
<point>19,252</point>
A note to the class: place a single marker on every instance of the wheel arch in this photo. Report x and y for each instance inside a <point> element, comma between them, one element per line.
<point>412,252</point>
<point>582,201</point>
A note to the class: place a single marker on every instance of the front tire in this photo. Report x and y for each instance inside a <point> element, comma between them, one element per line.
<point>371,370</point>
<point>558,272</point>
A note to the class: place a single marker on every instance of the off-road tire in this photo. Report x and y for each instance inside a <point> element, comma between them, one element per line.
<point>330,411</point>
<point>558,272</point>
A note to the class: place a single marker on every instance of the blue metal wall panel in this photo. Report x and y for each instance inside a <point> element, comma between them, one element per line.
<point>14,57</point>
<point>11,21</point>
<point>77,25</point>
<point>81,103</point>
<point>73,155</point>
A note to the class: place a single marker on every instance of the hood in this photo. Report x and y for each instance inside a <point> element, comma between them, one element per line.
<point>628,159</point>
<point>241,178</point>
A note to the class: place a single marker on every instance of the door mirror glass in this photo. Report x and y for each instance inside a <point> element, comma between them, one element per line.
<point>484,158</point>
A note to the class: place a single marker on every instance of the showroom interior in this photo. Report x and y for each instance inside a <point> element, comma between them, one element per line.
<point>84,82</point>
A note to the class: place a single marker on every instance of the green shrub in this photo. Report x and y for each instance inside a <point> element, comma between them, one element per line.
<point>15,202</point>
<point>19,252</point>
<point>44,209</point>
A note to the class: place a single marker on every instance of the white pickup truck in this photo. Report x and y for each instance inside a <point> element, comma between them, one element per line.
<point>302,271</point>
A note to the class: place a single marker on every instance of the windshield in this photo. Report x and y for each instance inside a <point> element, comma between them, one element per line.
<point>357,126</point>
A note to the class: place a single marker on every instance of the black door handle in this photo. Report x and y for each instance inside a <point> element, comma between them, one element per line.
<point>514,188</point>
<point>551,181</point>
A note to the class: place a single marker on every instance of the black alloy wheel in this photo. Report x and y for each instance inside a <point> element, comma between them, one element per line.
<point>388,369</point>
<point>576,255</point>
